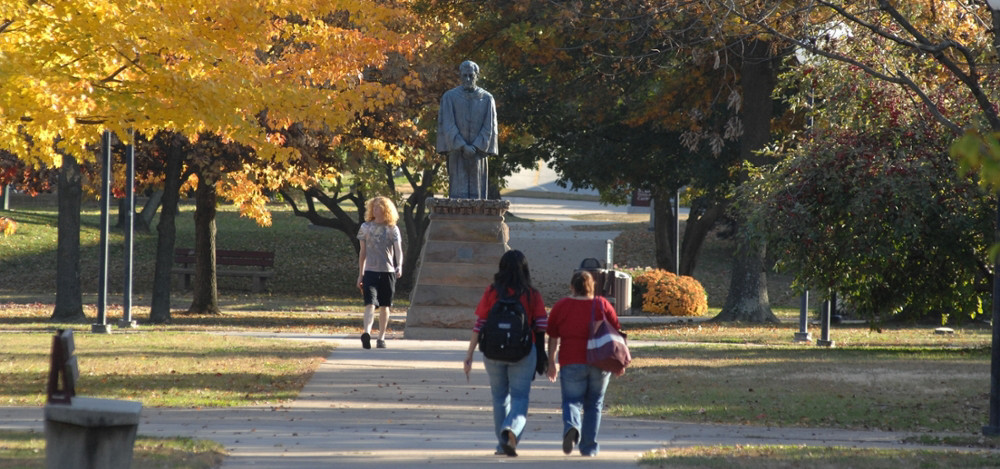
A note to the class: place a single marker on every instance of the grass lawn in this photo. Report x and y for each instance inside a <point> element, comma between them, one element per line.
<point>869,388</point>
<point>164,369</point>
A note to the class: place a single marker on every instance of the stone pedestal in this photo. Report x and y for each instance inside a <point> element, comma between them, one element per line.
<point>462,249</point>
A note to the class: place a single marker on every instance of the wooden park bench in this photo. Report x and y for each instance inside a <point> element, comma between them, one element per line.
<point>263,261</point>
<point>84,431</point>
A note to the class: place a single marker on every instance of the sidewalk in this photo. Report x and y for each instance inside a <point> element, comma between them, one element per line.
<point>410,405</point>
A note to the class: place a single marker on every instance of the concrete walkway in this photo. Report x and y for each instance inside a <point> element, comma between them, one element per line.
<point>410,405</point>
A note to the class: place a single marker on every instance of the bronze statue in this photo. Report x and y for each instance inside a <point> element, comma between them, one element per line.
<point>467,133</point>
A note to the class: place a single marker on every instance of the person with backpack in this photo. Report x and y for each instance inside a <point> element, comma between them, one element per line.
<point>510,331</point>
<point>582,385</point>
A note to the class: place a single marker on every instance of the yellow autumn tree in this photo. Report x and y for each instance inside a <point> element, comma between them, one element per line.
<point>240,71</point>
<point>72,69</point>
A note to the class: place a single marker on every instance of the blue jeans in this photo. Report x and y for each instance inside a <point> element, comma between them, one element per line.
<point>583,389</point>
<point>510,384</point>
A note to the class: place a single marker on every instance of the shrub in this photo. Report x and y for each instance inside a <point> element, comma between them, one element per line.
<point>662,292</point>
<point>7,226</point>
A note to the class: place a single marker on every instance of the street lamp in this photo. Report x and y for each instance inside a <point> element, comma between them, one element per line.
<point>993,427</point>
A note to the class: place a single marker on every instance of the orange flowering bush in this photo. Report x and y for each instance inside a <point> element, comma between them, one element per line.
<point>663,292</point>
<point>7,226</point>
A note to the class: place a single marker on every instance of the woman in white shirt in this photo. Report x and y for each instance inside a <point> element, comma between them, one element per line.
<point>380,263</point>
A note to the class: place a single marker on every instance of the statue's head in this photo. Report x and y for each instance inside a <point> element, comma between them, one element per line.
<point>469,72</point>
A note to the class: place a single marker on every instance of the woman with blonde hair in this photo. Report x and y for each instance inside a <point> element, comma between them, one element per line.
<point>380,263</point>
<point>582,385</point>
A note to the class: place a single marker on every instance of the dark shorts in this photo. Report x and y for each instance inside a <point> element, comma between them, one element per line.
<point>378,288</point>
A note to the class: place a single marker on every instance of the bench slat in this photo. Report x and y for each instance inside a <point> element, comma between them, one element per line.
<point>228,257</point>
<point>226,272</point>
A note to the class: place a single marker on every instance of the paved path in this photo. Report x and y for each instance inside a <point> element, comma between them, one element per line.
<point>410,405</point>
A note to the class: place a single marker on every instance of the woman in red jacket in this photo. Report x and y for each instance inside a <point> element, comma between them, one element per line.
<point>510,382</point>
<point>582,385</point>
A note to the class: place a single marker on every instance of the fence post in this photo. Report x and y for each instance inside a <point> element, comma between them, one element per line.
<point>803,334</point>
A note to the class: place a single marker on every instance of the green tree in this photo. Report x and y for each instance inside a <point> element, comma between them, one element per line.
<point>938,54</point>
<point>872,207</point>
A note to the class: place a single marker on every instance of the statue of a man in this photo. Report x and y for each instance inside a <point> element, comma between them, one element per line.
<point>467,133</point>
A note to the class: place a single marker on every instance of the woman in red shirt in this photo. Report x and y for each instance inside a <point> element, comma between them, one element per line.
<point>582,385</point>
<point>510,382</point>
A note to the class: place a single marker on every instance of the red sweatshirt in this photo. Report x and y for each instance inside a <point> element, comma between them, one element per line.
<point>569,320</point>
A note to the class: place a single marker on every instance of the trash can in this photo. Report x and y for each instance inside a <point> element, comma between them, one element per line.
<point>600,274</point>
<point>614,285</point>
<point>620,295</point>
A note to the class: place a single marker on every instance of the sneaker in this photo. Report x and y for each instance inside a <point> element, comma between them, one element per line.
<point>569,439</point>
<point>366,340</point>
<point>508,442</point>
<point>380,343</point>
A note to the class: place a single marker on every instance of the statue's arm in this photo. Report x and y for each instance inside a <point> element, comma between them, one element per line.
<point>449,138</point>
<point>486,140</point>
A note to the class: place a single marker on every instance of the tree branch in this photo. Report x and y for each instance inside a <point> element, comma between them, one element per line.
<point>935,50</point>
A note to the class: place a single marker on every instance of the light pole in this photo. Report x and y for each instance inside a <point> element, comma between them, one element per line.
<point>993,427</point>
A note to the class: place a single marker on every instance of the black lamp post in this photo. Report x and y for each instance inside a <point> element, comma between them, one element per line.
<point>993,427</point>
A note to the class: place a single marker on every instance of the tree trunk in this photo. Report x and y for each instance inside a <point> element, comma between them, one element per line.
<point>167,233</point>
<point>699,224</point>
<point>747,298</point>
<point>205,288</point>
<point>665,236</point>
<point>416,221</point>
<point>5,197</point>
<point>144,220</point>
<point>69,295</point>
<point>696,229</point>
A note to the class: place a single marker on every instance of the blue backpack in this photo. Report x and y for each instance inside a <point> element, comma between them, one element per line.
<point>506,334</point>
